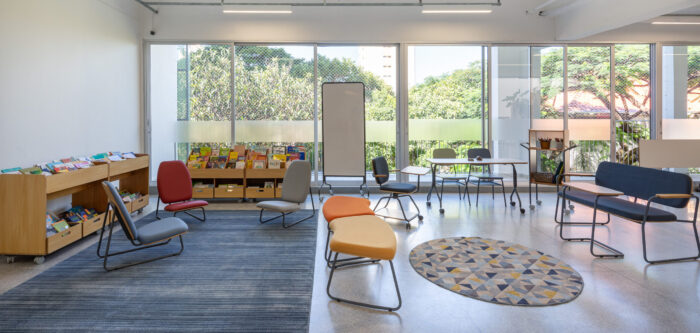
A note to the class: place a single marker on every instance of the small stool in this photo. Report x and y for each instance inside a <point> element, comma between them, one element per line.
<point>343,206</point>
<point>363,236</point>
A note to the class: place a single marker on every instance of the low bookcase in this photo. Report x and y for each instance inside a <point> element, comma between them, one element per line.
<point>236,183</point>
<point>24,204</point>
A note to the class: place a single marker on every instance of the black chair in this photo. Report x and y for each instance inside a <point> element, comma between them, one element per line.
<point>380,171</point>
<point>152,234</point>
<point>486,177</point>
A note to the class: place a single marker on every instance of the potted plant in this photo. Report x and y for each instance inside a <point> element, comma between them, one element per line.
<point>544,143</point>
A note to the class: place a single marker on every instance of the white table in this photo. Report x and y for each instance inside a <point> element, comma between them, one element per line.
<point>436,162</point>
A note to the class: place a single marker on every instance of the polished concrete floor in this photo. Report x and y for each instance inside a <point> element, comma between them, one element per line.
<point>620,295</point>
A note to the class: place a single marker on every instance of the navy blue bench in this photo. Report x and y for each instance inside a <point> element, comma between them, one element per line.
<point>612,180</point>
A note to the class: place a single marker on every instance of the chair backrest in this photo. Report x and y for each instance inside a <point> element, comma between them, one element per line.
<point>380,167</point>
<point>297,180</point>
<point>444,153</point>
<point>120,211</point>
<point>643,183</point>
<point>482,152</point>
<point>174,182</point>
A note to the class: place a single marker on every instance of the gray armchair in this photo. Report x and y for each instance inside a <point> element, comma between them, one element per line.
<point>297,184</point>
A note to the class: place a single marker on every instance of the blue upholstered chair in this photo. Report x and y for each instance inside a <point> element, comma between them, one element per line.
<point>149,235</point>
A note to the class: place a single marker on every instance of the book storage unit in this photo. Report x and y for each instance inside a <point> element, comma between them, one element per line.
<point>24,204</point>
<point>236,183</point>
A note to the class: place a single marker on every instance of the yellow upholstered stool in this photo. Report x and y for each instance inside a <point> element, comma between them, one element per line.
<point>340,206</point>
<point>364,236</point>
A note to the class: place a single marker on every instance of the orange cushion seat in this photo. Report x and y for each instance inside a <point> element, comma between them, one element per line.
<point>363,236</point>
<point>341,206</point>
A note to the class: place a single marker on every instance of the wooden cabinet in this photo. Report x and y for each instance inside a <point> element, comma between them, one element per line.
<point>24,203</point>
<point>250,183</point>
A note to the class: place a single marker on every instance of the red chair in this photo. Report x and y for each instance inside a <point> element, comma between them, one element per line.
<point>175,190</point>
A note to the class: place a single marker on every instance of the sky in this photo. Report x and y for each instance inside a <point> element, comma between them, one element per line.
<point>427,60</point>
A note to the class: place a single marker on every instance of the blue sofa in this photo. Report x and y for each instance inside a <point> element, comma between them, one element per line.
<point>667,189</point>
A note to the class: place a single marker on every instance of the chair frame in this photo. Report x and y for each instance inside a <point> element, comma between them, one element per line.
<point>490,179</point>
<point>186,211</point>
<point>138,245</point>
<point>334,266</point>
<point>283,215</point>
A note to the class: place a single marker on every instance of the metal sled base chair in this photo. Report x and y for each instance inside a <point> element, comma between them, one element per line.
<point>297,180</point>
<point>175,190</point>
<point>380,170</point>
<point>486,177</point>
<point>452,177</point>
<point>157,233</point>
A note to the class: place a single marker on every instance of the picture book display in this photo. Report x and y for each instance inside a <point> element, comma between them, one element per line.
<point>68,164</point>
<point>244,157</point>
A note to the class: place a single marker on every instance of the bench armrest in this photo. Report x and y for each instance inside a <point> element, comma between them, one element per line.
<point>582,174</point>
<point>674,196</point>
<point>593,188</point>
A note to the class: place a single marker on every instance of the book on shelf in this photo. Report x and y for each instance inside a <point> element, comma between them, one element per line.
<point>274,164</point>
<point>269,185</point>
<point>60,226</point>
<point>31,171</point>
<point>259,164</point>
<point>240,164</point>
<point>129,155</point>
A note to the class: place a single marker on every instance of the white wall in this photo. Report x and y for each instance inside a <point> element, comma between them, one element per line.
<point>69,79</point>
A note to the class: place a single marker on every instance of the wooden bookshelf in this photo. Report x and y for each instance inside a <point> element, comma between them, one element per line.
<point>24,204</point>
<point>243,177</point>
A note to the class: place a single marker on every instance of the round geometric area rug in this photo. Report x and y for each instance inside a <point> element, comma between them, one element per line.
<point>496,271</point>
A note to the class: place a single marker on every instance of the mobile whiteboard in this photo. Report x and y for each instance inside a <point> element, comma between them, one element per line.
<point>343,107</point>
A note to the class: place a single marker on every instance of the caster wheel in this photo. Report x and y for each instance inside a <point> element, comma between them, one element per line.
<point>330,192</point>
<point>420,217</point>
<point>512,203</point>
<point>408,226</point>
<point>39,260</point>
<point>320,199</point>
<point>532,207</point>
<point>141,211</point>
<point>539,202</point>
<point>567,212</point>
<point>571,207</point>
<point>442,211</point>
<point>522,210</point>
<point>428,203</point>
<point>10,259</point>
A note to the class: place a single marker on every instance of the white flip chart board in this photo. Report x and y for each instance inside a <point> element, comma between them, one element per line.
<point>343,107</point>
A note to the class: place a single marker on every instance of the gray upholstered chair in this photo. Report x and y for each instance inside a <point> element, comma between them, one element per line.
<point>486,177</point>
<point>297,184</point>
<point>451,177</point>
<point>149,235</point>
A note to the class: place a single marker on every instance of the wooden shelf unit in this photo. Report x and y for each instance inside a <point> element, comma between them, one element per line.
<point>24,203</point>
<point>244,177</point>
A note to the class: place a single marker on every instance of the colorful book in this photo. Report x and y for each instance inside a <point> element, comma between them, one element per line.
<point>60,225</point>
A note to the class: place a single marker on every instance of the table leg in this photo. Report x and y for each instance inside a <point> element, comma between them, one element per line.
<point>515,191</point>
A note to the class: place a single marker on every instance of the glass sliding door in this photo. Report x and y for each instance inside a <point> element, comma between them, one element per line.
<point>274,96</point>
<point>681,93</point>
<point>376,67</point>
<point>445,99</point>
<point>190,99</point>
<point>588,71</point>
<point>632,100</point>
<point>510,112</point>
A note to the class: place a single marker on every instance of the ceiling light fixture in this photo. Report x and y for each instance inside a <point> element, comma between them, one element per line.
<point>675,23</point>
<point>428,9</point>
<point>257,10</point>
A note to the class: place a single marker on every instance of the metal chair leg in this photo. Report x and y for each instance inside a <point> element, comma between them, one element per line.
<point>478,186</point>
<point>372,306</point>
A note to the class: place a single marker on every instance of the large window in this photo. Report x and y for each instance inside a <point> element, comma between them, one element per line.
<point>632,100</point>
<point>588,73</point>
<point>274,96</point>
<point>681,93</point>
<point>190,100</point>
<point>446,100</point>
<point>376,67</point>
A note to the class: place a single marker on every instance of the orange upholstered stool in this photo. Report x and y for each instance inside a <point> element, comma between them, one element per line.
<point>341,206</point>
<point>364,236</point>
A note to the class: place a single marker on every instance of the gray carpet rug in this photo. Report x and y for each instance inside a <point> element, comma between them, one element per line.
<point>234,275</point>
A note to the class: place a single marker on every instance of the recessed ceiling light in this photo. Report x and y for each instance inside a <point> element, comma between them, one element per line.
<point>675,23</point>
